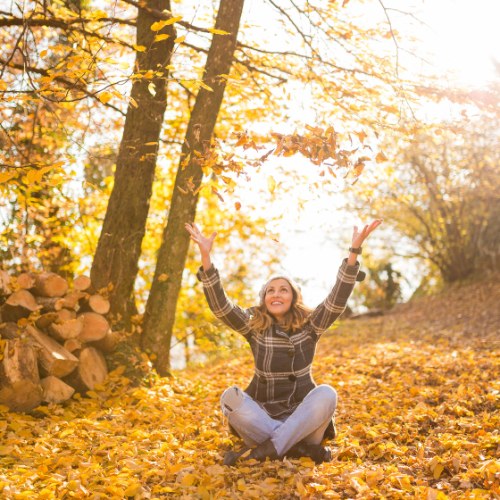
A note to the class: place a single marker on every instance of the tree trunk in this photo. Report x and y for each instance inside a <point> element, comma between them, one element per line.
<point>160,308</point>
<point>119,247</point>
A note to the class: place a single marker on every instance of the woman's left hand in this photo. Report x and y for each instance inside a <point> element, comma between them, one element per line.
<point>358,237</point>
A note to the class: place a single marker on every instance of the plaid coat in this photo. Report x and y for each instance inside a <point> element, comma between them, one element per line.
<point>282,376</point>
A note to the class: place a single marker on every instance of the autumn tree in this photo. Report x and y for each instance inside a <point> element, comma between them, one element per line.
<point>119,248</point>
<point>161,305</point>
<point>443,196</point>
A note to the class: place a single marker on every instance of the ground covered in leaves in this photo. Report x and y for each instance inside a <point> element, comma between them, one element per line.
<point>418,417</point>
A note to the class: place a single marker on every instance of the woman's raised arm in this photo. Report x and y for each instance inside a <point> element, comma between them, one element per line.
<point>358,237</point>
<point>204,244</point>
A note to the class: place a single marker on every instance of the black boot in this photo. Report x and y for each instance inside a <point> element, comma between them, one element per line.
<point>232,456</point>
<point>263,451</point>
<point>317,452</point>
<point>260,453</point>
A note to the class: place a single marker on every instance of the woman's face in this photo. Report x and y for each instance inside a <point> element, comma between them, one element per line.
<point>278,297</point>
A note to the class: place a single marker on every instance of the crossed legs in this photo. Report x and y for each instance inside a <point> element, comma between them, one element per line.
<point>306,424</point>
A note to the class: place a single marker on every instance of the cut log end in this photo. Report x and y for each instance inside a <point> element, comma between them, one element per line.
<point>54,390</point>
<point>50,285</point>
<point>82,283</point>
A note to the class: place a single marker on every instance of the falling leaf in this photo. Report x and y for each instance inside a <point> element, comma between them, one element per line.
<point>271,184</point>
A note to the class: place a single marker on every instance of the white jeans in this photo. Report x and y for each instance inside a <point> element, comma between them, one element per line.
<point>307,423</point>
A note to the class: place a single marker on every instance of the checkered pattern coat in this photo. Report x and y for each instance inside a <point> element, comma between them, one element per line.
<point>282,376</point>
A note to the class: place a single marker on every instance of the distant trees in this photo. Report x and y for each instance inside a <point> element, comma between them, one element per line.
<point>444,195</point>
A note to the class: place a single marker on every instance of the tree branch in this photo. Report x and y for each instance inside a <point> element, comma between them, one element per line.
<point>68,83</point>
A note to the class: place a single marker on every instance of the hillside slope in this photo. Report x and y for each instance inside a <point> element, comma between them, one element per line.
<point>418,417</point>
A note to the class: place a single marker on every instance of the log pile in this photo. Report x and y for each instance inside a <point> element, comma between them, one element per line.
<point>52,338</point>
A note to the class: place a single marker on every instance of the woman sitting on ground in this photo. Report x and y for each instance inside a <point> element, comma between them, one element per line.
<point>282,412</point>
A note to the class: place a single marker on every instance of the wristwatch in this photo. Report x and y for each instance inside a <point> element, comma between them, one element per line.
<point>355,250</point>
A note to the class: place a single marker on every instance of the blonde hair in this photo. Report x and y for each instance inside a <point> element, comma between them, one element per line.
<point>295,317</point>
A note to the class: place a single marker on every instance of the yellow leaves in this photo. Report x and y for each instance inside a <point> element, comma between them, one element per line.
<point>158,25</point>
<point>218,32</point>
<point>188,480</point>
<point>159,38</point>
<point>152,88</point>
<point>105,97</point>
<point>132,490</point>
<point>6,450</point>
<point>271,184</point>
<point>7,175</point>
<point>436,466</point>
<point>399,432</point>
<point>203,85</point>
<point>139,48</point>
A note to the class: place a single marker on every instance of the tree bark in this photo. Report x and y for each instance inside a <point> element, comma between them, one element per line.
<point>119,247</point>
<point>160,308</point>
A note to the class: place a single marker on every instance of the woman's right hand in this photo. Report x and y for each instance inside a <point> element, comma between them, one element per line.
<point>205,244</point>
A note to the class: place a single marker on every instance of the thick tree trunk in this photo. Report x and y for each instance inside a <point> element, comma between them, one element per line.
<point>119,246</point>
<point>160,308</point>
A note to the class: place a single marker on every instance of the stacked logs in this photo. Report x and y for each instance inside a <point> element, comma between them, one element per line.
<point>52,338</point>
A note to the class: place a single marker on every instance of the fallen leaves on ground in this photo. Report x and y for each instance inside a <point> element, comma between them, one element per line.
<point>418,417</point>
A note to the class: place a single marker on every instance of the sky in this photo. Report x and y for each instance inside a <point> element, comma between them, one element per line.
<point>464,37</point>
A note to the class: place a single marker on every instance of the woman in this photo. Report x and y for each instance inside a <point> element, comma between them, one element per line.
<point>282,411</point>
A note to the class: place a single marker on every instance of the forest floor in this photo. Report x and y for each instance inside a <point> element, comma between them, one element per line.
<point>418,417</point>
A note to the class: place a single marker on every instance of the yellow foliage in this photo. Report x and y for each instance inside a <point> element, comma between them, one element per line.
<point>168,439</point>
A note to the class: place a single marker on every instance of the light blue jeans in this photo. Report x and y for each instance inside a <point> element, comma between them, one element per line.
<point>307,423</point>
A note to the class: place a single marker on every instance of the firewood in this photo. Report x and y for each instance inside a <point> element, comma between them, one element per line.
<point>10,331</point>
<point>55,390</point>
<point>5,288</point>
<point>20,388</point>
<point>72,299</point>
<point>109,342</point>
<point>95,327</point>
<point>92,370</point>
<point>73,345</point>
<point>99,304</point>
<point>82,283</point>
<point>53,358</point>
<point>65,314</point>
<point>26,281</point>
<point>69,329</point>
<point>50,304</point>
<point>19,305</point>
<point>24,299</point>
<point>46,319</point>
<point>50,285</point>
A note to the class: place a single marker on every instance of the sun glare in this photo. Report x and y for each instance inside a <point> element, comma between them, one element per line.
<point>463,39</point>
